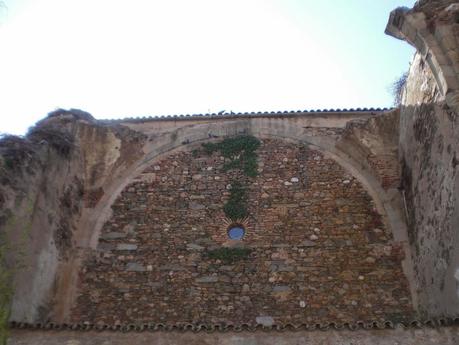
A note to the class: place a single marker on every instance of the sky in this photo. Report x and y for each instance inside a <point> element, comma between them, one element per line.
<point>133,58</point>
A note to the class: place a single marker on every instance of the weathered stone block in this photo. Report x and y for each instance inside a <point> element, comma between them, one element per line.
<point>105,247</point>
<point>193,246</point>
<point>135,267</point>
<point>113,235</point>
<point>281,288</point>
<point>196,206</point>
<point>172,267</point>
<point>207,279</point>
<point>308,243</point>
<point>126,246</point>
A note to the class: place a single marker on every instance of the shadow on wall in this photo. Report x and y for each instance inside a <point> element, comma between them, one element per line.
<point>429,153</point>
<point>429,149</point>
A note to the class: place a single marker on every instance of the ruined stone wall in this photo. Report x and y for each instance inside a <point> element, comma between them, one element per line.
<point>374,144</point>
<point>319,251</point>
<point>40,192</point>
<point>64,201</point>
<point>429,145</point>
<point>428,149</point>
<point>49,182</point>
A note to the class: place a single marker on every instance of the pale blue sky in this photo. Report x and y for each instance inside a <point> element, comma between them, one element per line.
<point>158,57</point>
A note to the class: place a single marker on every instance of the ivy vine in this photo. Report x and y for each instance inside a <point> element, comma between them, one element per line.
<point>229,255</point>
<point>236,206</point>
<point>239,153</point>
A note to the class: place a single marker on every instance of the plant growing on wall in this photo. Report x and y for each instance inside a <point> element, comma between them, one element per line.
<point>239,153</point>
<point>397,88</point>
<point>236,206</point>
<point>229,255</point>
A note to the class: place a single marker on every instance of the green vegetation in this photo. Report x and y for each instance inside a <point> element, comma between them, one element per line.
<point>195,153</point>
<point>236,206</point>
<point>240,151</point>
<point>229,255</point>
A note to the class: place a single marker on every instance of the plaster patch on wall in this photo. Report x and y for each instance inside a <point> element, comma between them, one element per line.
<point>28,307</point>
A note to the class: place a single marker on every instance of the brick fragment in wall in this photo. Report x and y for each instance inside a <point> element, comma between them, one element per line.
<point>387,169</point>
<point>319,251</point>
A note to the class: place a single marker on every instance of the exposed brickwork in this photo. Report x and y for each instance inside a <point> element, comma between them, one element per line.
<point>374,143</point>
<point>319,251</point>
<point>386,167</point>
<point>322,131</point>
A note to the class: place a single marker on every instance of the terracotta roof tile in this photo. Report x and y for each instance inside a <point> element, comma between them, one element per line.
<point>209,328</point>
<point>242,114</point>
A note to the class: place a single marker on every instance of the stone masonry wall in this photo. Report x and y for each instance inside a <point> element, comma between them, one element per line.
<point>319,251</point>
<point>429,151</point>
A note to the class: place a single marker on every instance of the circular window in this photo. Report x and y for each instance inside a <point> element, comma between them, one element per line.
<point>236,232</point>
